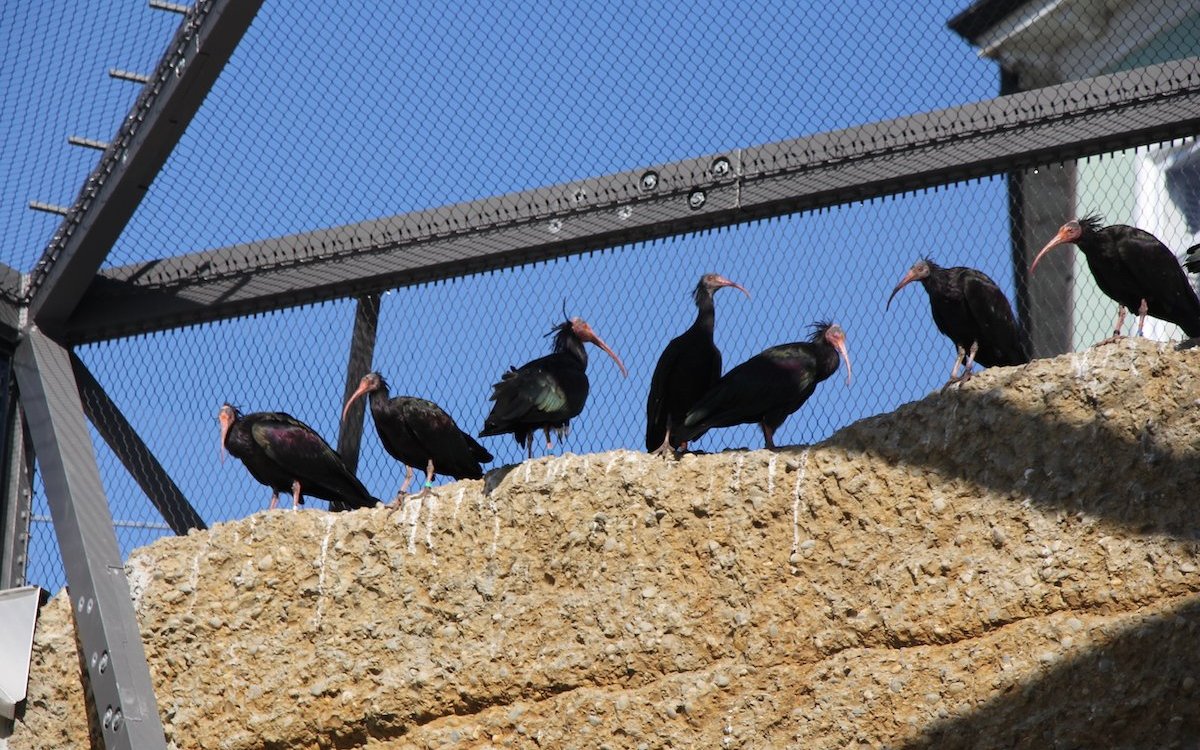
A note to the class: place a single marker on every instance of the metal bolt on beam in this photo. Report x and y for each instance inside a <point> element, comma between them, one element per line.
<point>171,7</point>
<point>78,140</point>
<point>49,208</point>
<point>128,75</point>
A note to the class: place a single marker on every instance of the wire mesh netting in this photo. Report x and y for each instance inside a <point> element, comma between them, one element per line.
<point>329,115</point>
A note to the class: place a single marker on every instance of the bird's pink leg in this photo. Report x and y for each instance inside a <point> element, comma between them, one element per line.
<point>549,442</point>
<point>295,494</point>
<point>274,501</point>
<point>1117,328</point>
<point>970,362</point>
<point>408,477</point>
<point>429,475</point>
<point>1142,310</point>
<point>958,358</point>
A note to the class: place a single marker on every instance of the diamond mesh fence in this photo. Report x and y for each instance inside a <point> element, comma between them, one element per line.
<point>330,114</point>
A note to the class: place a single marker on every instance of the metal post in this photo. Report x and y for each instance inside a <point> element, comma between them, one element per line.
<point>105,622</point>
<point>137,459</point>
<point>362,351</point>
<point>16,502</point>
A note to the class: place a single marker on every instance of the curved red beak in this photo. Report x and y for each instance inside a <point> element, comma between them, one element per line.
<point>363,387</point>
<point>1059,239</point>
<point>841,347</point>
<point>908,278</point>
<point>590,335</point>
<point>724,282</point>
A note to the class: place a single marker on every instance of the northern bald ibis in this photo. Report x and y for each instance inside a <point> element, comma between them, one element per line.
<point>970,310</point>
<point>419,433</point>
<point>769,386</point>
<point>547,392</point>
<point>687,368</point>
<point>287,455</point>
<point>1135,269</point>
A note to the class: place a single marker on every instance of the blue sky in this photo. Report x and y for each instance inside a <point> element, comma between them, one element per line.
<point>327,116</point>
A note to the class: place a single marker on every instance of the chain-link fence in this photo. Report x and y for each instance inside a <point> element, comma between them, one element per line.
<point>330,115</point>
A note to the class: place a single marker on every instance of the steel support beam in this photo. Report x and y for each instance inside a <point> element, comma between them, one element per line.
<point>105,623</point>
<point>195,57</point>
<point>1010,132</point>
<point>362,352</point>
<point>137,459</point>
<point>10,303</point>
<point>16,504</point>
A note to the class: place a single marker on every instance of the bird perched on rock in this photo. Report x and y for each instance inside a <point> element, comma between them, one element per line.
<point>287,455</point>
<point>1135,269</point>
<point>970,310</point>
<point>419,433</point>
<point>769,386</point>
<point>547,392</point>
<point>687,368</point>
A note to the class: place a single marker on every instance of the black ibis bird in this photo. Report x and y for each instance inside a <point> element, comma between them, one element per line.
<point>547,392</point>
<point>1135,269</point>
<point>688,367</point>
<point>970,310</point>
<point>419,433</point>
<point>769,386</point>
<point>287,455</point>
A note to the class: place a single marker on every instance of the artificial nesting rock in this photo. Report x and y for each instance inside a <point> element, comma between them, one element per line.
<point>1010,563</point>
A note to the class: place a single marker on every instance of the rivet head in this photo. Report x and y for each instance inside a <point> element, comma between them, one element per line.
<point>649,181</point>
<point>555,226</point>
<point>697,198</point>
<point>579,197</point>
<point>108,717</point>
<point>624,212</point>
<point>720,166</point>
<point>103,662</point>
<point>117,720</point>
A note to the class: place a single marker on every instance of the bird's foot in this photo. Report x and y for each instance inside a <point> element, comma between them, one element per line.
<point>397,501</point>
<point>1111,339</point>
<point>664,451</point>
<point>1188,343</point>
<point>957,380</point>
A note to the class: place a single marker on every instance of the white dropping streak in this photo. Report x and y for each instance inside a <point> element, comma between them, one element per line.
<point>771,475</point>
<point>1079,364</point>
<point>737,472</point>
<point>433,504</point>
<point>410,514</point>
<point>321,572</point>
<point>527,469</point>
<point>495,525</point>
<point>796,502</point>
<point>458,498</point>
<point>195,578</point>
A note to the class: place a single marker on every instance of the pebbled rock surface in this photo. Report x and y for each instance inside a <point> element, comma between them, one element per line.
<point>1012,563</point>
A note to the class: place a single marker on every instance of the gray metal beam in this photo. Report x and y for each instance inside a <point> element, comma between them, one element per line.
<point>10,303</point>
<point>195,57</point>
<point>362,352</point>
<point>105,623</point>
<point>137,459</point>
<point>1022,129</point>
<point>16,503</point>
